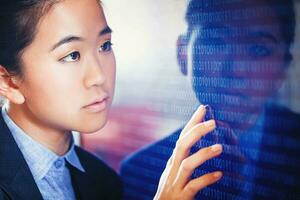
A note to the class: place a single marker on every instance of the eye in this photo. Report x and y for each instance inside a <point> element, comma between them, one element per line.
<point>106,46</point>
<point>72,57</point>
<point>259,50</point>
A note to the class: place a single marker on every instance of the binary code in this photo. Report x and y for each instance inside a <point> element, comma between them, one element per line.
<point>241,59</point>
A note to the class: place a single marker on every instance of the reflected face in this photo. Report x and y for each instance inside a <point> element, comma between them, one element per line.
<point>236,66</point>
<point>69,69</point>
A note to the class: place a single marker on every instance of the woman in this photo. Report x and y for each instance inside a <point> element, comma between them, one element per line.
<point>57,75</point>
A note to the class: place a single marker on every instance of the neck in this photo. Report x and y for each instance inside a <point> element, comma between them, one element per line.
<point>55,139</point>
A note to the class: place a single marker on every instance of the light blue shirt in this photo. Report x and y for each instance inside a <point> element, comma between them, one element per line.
<point>48,169</point>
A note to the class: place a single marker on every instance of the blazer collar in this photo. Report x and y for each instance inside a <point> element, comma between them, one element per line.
<point>84,184</point>
<point>15,175</point>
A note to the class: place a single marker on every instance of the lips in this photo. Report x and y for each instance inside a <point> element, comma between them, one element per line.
<point>97,105</point>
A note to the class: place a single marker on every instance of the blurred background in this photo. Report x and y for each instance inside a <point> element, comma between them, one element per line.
<point>152,98</point>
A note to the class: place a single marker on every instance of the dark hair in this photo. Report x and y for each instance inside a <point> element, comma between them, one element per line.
<point>202,11</point>
<point>18,22</point>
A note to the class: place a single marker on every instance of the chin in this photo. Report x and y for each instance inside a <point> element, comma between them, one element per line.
<point>91,126</point>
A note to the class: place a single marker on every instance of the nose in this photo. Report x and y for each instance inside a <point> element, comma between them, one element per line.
<point>93,74</point>
<point>232,66</point>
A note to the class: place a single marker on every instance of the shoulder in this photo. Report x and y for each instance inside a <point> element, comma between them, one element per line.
<point>161,149</point>
<point>279,120</point>
<point>151,158</point>
<point>141,170</point>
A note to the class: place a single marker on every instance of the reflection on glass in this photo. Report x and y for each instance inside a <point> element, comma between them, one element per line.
<point>236,55</point>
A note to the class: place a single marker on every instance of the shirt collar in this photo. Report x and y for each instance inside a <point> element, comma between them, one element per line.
<point>72,157</point>
<point>38,157</point>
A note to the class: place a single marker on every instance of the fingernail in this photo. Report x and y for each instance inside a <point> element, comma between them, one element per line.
<point>216,148</point>
<point>209,123</point>
<point>206,106</point>
<point>217,174</point>
<point>201,108</point>
<point>209,113</point>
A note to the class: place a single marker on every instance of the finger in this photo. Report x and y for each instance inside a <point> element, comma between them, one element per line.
<point>166,172</point>
<point>184,145</point>
<point>197,184</point>
<point>189,164</point>
<point>195,119</point>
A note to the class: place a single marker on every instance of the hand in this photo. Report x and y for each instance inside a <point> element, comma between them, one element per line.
<point>176,182</point>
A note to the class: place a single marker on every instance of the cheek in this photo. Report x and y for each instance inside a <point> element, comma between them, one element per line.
<point>51,85</point>
<point>275,75</point>
<point>109,70</point>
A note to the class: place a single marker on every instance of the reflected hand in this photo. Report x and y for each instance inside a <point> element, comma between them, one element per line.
<point>176,182</point>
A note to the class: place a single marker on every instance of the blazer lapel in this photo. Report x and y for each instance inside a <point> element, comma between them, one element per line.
<point>15,176</point>
<point>84,186</point>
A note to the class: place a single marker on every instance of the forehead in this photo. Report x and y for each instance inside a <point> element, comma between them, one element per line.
<point>235,13</point>
<point>236,19</point>
<point>216,30</point>
<point>80,17</point>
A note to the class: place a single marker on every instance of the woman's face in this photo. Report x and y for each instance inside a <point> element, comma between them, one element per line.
<point>68,66</point>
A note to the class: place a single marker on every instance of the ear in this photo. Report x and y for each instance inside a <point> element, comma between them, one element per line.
<point>9,88</point>
<point>182,53</point>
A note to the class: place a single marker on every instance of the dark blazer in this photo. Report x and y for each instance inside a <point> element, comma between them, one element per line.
<point>17,183</point>
<point>275,174</point>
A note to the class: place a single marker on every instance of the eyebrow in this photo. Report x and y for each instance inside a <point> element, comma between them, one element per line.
<point>71,38</point>
<point>266,35</point>
<point>257,34</point>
